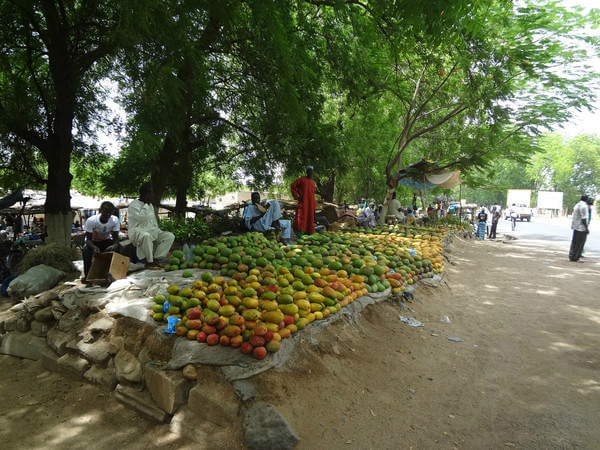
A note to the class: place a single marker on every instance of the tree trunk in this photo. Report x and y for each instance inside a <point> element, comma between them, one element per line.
<point>386,201</point>
<point>327,188</point>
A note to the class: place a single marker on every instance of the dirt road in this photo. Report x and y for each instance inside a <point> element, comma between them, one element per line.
<point>525,375</point>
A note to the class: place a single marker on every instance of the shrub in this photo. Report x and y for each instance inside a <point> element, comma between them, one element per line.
<point>52,255</point>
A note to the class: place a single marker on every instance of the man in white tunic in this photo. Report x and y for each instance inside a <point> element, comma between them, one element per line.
<point>151,242</point>
<point>394,209</point>
<point>263,217</point>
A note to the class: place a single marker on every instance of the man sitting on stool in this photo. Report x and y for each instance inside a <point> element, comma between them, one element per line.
<point>101,235</point>
<point>267,216</point>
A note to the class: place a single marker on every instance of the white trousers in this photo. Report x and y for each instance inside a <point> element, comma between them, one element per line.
<point>149,249</point>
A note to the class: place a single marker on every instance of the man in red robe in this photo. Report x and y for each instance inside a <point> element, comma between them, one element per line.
<point>303,190</point>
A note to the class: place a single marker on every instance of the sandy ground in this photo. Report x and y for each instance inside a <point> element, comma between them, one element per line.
<point>526,375</point>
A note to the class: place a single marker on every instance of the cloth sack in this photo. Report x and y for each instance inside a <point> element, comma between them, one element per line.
<point>37,279</point>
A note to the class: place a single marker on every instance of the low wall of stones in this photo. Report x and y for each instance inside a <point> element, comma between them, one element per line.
<point>116,346</point>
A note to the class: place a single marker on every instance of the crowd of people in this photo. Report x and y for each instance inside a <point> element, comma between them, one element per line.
<point>151,244</point>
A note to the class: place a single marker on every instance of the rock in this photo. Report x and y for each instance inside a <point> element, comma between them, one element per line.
<point>190,372</point>
<point>133,332</point>
<point>39,328</point>
<point>10,324</point>
<point>23,345</point>
<point>49,359</point>
<point>117,343</point>
<point>105,378</point>
<point>244,390</point>
<point>72,366</point>
<point>160,345</point>
<point>85,336</point>
<point>96,352</point>
<point>44,315</point>
<point>140,402</point>
<point>265,428</point>
<point>58,340</point>
<point>214,402</point>
<point>23,325</point>
<point>71,320</point>
<point>169,389</point>
<point>186,423</point>
<point>127,367</point>
<point>45,298</point>
<point>144,357</point>
<point>101,325</point>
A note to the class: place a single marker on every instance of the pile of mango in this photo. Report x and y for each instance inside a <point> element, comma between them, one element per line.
<point>272,291</point>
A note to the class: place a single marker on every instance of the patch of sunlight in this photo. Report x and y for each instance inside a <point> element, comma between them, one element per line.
<point>560,276</point>
<point>170,437</point>
<point>70,429</point>
<point>487,302</point>
<point>86,419</point>
<point>564,346</point>
<point>493,288</point>
<point>545,292</point>
<point>588,387</point>
<point>592,314</point>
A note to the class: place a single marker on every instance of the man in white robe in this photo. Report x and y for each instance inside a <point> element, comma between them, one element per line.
<point>151,242</point>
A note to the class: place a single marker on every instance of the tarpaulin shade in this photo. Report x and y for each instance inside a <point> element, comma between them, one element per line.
<point>424,175</point>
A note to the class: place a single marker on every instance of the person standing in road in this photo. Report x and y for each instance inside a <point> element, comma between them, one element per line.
<point>495,217</point>
<point>481,223</point>
<point>579,225</point>
<point>590,203</point>
<point>513,216</point>
<point>303,190</point>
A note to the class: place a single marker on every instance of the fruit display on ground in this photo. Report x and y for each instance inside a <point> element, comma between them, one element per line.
<point>267,291</point>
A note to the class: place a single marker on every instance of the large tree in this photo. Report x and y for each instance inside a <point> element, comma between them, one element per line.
<point>500,75</point>
<point>53,52</point>
<point>220,86</point>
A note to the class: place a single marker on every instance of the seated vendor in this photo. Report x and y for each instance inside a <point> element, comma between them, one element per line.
<point>101,235</point>
<point>267,216</point>
<point>366,218</point>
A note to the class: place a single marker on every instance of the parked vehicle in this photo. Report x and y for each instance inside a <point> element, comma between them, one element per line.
<point>523,213</point>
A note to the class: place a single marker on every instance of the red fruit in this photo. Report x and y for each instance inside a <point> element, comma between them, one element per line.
<point>209,329</point>
<point>194,313</point>
<point>223,301</point>
<point>257,341</point>
<point>222,323</point>
<point>201,337</point>
<point>195,324</point>
<point>247,348</point>
<point>272,288</point>
<point>288,319</point>
<point>260,291</point>
<point>260,352</point>
<point>224,340</point>
<point>236,341</point>
<point>260,330</point>
<point>268,336</point>
<point>281,324</point>
<point>212,339</point>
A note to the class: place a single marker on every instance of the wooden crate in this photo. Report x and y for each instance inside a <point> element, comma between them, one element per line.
<point>107,267</point>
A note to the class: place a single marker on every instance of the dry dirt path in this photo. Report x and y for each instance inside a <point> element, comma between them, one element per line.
<point>526,375</point>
